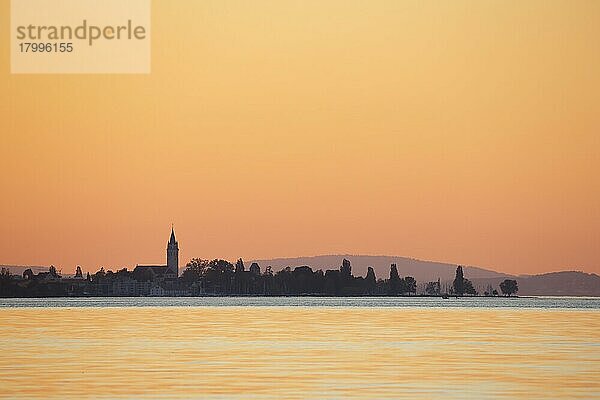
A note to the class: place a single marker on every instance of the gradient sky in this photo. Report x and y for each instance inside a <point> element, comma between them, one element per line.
<point>458,131</point>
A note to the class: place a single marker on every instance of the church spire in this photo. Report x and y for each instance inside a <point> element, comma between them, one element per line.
<point>173,254</point>
<point>172,239</point>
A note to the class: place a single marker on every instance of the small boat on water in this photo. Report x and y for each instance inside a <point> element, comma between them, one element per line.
<point>444,296</point>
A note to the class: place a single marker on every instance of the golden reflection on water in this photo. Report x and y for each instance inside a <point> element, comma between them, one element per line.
<point>281,352</point>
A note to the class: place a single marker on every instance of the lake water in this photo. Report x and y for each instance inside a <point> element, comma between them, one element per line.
<point>303,347</point>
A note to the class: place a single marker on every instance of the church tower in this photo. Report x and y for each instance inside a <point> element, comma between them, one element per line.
<point>173,256</point>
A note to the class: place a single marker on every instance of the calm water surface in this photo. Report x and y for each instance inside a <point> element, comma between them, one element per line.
<point>300,348</point>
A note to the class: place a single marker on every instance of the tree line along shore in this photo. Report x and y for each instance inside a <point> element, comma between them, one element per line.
<point>222,278</point>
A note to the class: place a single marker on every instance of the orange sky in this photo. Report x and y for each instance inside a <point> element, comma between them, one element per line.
<point>463,131</point>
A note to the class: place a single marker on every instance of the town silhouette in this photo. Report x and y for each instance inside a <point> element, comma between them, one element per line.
<point>222,278</point>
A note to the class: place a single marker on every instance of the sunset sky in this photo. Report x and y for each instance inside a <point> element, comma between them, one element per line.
<point>456,131</point>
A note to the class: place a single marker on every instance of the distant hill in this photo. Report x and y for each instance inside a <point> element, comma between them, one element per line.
<point>18,269</point>
<point>565,283</point>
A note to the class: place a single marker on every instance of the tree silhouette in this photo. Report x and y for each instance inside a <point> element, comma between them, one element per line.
<point>462,285</point>
<point>394,284</point>
<point>370,281</point>
<point>468,287</point>
<point>53,272</point>
<point>410,285</point>
<point>218,276</point>
<point>346,269</point>
<point>194,270</point>
<point>239,266</point>
<point>509,287</point>
<point>459,282</point>
<point>433,288</point>
<point>4,274</point>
